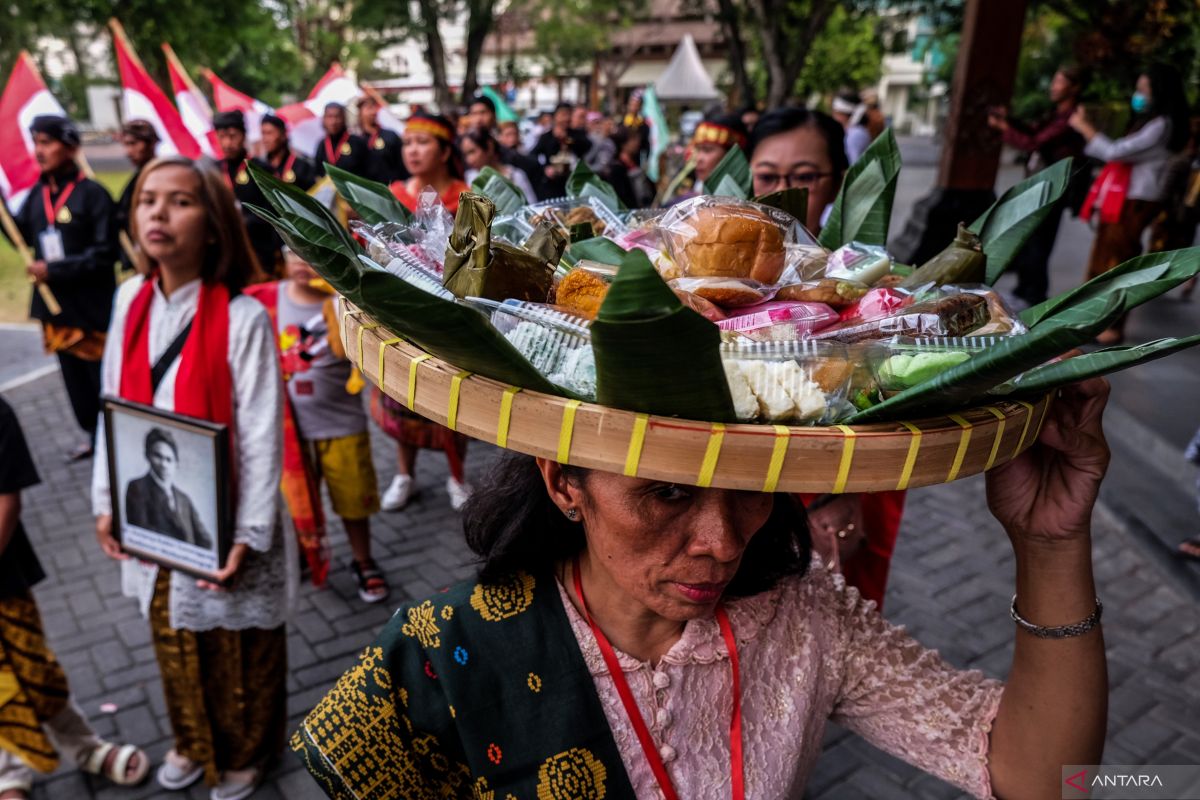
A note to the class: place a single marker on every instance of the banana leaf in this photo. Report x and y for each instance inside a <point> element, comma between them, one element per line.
<point>499,189</point>
<point>1141,276</point>
<point>546,242</point>
<point>1090,365</point>
<point>455,333</point>
<point>475,266</point>
<point>584,183</point>
<point>654,355</point>
<point>791,201</point>
<point>372,201</point>
<point>1010,221</point>
<point>959,386</point>
<point>598,248</point>
<point>731,177</point>
<point>311,230</point>
<point>863,208</point>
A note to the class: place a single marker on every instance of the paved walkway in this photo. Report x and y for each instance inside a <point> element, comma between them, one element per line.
<point>951,583</point>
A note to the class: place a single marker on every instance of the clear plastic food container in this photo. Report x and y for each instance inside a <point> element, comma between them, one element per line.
<point>799,383</point>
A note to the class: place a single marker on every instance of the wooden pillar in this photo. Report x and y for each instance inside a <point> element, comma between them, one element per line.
<point>984,75</point>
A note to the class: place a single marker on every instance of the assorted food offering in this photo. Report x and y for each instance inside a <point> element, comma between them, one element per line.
<point>720,308</point>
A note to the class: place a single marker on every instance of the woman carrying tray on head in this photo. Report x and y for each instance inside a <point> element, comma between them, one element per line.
<point>629,636</point>
<point>221,651</point>
<point>793,148</point>
<point>432,159</point>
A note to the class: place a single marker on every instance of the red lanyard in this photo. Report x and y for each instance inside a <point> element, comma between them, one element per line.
<point>229,178</point>
<point>52,209</point>
<point>287,166</point>
<point>635,714</point>
<point>329,152</point>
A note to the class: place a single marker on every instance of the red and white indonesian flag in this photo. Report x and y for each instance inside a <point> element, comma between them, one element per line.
<point>229,99</point>
<point>25,97</point>
<point>142,99</point>
<point>193,108</point>
<point>304,119</point>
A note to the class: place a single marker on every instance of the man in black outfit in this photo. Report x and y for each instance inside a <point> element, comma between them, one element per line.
<point>340,147</point>
<point>140,140</point>
<point>70,221</point>
<point>280,161</point>
<point>155,503</point>
<point>384,161</point>
<point>559,149</point>
<point>483,115</point>
<point>231,135</point>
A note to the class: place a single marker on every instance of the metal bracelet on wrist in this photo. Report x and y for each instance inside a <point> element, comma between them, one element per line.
<point>1061,631</point>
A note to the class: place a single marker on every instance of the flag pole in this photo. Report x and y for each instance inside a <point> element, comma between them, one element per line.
<point>14,233</point>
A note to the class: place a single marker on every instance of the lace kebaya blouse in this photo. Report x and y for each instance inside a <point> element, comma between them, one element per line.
<point>810,650</point>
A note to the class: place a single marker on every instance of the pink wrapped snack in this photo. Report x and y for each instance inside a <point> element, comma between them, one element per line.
<point>801,317</point>
<point>876,304</point>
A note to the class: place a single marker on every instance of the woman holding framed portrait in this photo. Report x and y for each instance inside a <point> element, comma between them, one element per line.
<point>192,365</point>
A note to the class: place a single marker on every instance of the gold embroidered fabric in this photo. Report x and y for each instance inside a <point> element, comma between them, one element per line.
<point>33,687</point>
<point>226,691</point>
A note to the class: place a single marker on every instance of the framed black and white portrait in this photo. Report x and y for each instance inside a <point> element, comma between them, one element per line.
<point>169,480</point>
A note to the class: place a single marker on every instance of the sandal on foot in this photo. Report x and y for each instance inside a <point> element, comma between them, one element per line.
<point>15,789</point>
<point>117,769</point>
<point>1189,549</point>
<point>178,772</point>
<point>237,784</point>
<point>372,586</point>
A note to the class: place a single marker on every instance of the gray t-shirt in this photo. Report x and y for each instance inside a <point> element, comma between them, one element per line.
<point>317,388</point>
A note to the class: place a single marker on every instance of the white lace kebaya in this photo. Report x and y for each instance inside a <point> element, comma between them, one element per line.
<point>266,584</point>
<point>810,650</point>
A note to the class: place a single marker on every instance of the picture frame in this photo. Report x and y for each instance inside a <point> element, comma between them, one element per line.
<point>169,478</point>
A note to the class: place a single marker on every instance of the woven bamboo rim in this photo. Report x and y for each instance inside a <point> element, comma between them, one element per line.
<point>770,458</point>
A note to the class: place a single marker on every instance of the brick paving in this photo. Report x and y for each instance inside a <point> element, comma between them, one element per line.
<point>951,583</point>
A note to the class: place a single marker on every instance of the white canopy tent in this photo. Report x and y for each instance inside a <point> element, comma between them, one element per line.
<point>685,78</point>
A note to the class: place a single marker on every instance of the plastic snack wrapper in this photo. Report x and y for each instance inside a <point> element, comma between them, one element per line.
<point>721,237</point>
<point>802,383</point>
<point>726,292</point>
<point>902,363</point>
<point>804,318</point>
<point>808,261</point>
<point>387,240</point>
<point>558,345</point>
<point>952,315</point>
<point>408,268</point>
<point>1002,319</point>
<point>705,308</point>
<point>432,224</point>
<point>832,292</point>
<point>566,212</point>
<point>859,262</point>
<point>878,303</point>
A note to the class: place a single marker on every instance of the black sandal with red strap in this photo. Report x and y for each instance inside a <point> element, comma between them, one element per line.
<point>372,586</point>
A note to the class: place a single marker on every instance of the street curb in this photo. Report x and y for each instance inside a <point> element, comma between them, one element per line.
<point>1155,452</point>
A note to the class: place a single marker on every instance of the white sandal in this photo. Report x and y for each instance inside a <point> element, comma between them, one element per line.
<point>237,789</point>
<point>13,785</point>
<point>117,771</point>
<point>178,772</point>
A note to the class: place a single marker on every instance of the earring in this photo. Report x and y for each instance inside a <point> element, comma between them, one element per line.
<point>572,514</point>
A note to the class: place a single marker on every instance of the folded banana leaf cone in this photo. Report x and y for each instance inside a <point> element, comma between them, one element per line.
<point>477,266</point>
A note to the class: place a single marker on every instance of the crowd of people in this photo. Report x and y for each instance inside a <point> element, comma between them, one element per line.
<point>217,321</point>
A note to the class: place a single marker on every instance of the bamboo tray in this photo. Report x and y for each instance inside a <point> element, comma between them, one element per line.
<point>839,458</point>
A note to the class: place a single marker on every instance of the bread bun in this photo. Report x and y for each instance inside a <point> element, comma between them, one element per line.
<point>732,242</point>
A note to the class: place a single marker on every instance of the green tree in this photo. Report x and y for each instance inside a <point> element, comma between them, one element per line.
<point>849,53</point>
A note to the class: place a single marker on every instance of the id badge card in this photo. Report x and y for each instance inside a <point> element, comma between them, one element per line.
<point>51,242</point>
